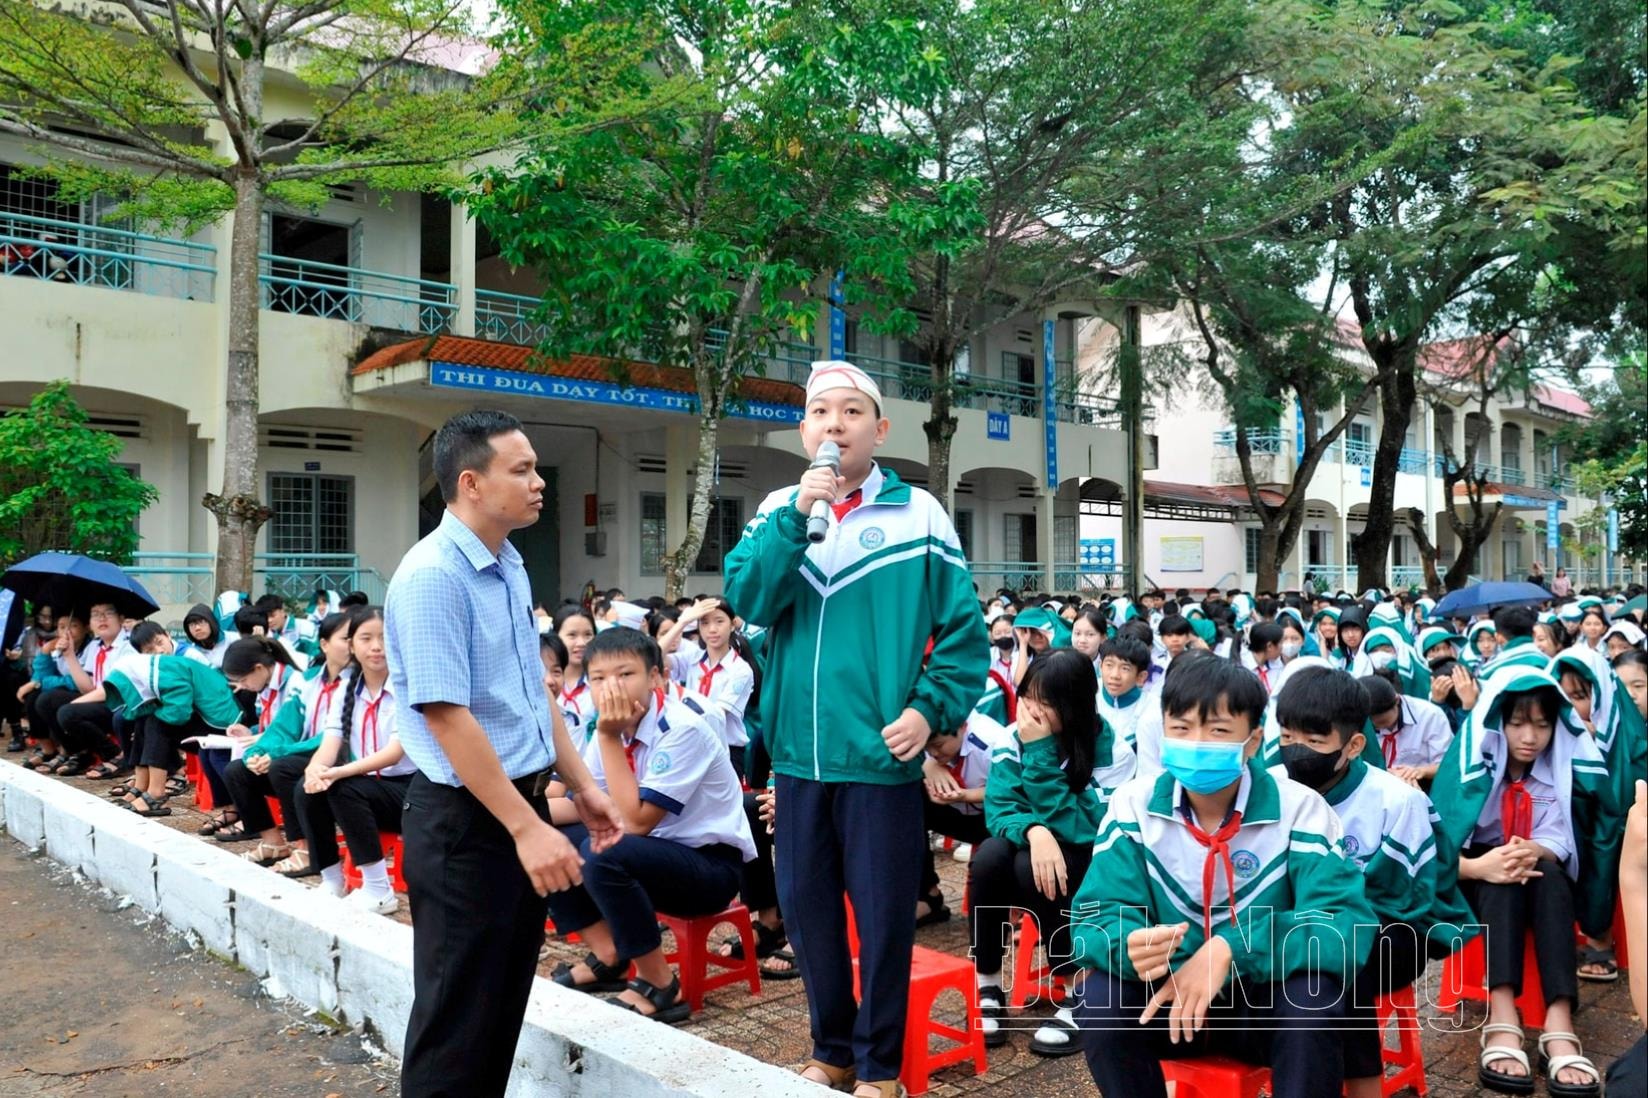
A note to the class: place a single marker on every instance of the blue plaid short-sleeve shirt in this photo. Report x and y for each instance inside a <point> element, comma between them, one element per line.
<point>459,629</point>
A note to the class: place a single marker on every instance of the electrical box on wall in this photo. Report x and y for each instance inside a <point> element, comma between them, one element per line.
<point>595,543</point>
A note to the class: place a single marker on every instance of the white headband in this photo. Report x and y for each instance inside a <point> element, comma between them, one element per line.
<point>831,374</point>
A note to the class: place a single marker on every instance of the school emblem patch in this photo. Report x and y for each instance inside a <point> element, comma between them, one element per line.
<point>1245,863</point>
<point>1352,845</point>
<point>872,537</point>
<point>660,762</point>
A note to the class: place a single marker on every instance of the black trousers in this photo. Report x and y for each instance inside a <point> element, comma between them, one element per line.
<point>759,890</point>
<point>475,938</point>
<point>155,743</point>
<point>1543,905</point>
<point>999,878</point>
<point>1629,1073</point>
<point>12,678</point>
<point>628,883</point>
<point>43,709</point>
<point>1292,1026</point>
<point>1396,961</point>
<point>360,807</point>
<point>250,792</point>
<point>88,726</point>
<point>948,820</point>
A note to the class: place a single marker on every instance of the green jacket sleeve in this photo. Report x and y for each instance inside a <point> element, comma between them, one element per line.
<point>285,734</point>
<point>46,674</point>
<point>189,689</point>
<point>1114,898</point>
<point>1033,790</point>
<point>1400,879</point>
<point>760,572</point>
<point>956,672</point>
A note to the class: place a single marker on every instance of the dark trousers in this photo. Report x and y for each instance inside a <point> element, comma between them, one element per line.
<point>213,762</point>
<point>88,726</point>
<point>360,807</point>
<point>1396,961</point>
<point>948,820</point>
<point>865,840</point>
<point>1629,1073</point>
<point>250,792</point>
<point>1296,1033</point>
<point>1543,905</point>
<point>44,706</point>
<point>12,678</point>
<point>999,879</point>
<point>477,930</point>
<point>759,890</point>
<point>155,743</point>
<point>629,883</point>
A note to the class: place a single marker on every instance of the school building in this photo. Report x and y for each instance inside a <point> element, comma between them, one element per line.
<point>384,313</point>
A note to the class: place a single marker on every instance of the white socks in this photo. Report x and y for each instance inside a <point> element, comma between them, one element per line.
<point>993,980</point>
<point>375,879</point>
<point>331,880</point>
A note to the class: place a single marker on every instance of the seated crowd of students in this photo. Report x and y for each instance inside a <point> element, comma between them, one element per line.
<point>1288,805</point>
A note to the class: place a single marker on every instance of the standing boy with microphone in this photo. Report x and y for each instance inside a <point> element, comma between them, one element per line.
<point>848,709</point>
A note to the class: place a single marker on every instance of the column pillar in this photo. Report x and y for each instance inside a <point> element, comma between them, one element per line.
<point>680,450</point>
<point>462,274</point>
<point>1045,512</point>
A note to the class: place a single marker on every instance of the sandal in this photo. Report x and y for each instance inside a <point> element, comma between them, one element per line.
<point>177,785</point>
<point>608,978</point>
<point>884,1088</point>
<point>667,1005</point>
<point>147,805</point>
<point>71,767</point>
<point>992,1009</point>
<point>219,822</point>
<point>233,833</point>
<point>296,864</point>
<point>267,853</point>
<point>103,771</point>
<point>1550,1065</point>
<point>936,911</point>
<point>1605,958</point>
<point>768,940</point>
<point>1498,1081</point>
<point>836,1078</point>
<point>121,790</point>
<point>1058,1036</point>
<point>39,759</point>
<point>791,973</point>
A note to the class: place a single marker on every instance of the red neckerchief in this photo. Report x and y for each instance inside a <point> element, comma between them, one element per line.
<point>634,744</point>
<point>570,696</point>
<point>97,665</point>
<point>854,498</point>
<point>1218,849</point>
<point>323,702</point>
<point>269,695</point>
<point>1010,697</point>
<point>955,766</point>
<point>1387,744</point>
<point>707,677</point>
<point>1516,811</point>
<point>369,720</point>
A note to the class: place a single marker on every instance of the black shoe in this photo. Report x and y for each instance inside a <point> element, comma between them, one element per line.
<point>18,743</point>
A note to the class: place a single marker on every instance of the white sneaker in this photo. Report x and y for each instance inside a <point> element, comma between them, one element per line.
<point>386,905</point>
<point>333,888</point>
<point>963,853</point>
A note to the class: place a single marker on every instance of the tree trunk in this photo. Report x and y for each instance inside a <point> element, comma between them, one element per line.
<point>1428,552</point>
<point>940,428</point>
<point>1396,396</point>
<point>678,563</point>
<point>1271,553</point>
<point>239,511</point>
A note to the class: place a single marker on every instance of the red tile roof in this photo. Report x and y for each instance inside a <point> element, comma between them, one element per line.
<point>484,353</point>
<point>1562,400</point>
<point>1213,495</point>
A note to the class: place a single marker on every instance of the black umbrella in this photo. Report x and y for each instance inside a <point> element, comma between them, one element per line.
<point>65,581</point>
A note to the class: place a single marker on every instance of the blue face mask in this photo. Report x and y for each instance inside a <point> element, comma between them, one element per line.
<point>1203,767</point>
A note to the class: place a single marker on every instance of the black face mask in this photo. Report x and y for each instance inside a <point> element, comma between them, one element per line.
<point>1308,766</point>
<point>1003,643</point>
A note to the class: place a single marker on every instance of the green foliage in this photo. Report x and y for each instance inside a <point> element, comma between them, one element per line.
<point>60,486</point>
<point>1610,450</point>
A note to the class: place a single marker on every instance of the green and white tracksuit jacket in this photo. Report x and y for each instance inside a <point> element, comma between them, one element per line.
<point>1390,835</point>
<point>1474,771</point>
<point>173,689</point>
<point>297,725</point>
<point>1618,727</point>
<point>1028,786</point>
<point>1295,891</point>
<point>847,622</point>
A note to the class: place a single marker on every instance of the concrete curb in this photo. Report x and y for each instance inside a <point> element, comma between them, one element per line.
<point>356,966</point>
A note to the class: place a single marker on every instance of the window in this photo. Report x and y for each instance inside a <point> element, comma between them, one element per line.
<point>1399,551</point>
<point>1250,549</point>
<point>1019,368</point>
<point>721,533</point>
<point>1319,547</point>
<point>1513,558</point>
<point>964,532</point>
<point>1019,538</point>
<point>313,514</point>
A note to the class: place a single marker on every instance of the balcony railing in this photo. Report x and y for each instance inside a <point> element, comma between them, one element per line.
<point>1259,442</point>
<point>1028,576</point>
<point>508,318</point>
<point>181,579</point>
<point>116,259</point>
<point>331,292</point>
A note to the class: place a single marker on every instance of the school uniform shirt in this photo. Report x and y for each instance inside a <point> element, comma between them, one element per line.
<point>980,737</point>
<point>1028,786</point>
<point>681,766</point>
<point>97,658</point>
<point>999,702</point>
<point>1389,837</point>
<point>724,688</point>
<point>173,689</point>
<point>1550,827</point>
<point>836,673</point>
<point>1274,881</point>
<point>1469,787</point>
<point>1270,675</point>
<point>299,724</point>
<point>577,705</point>
<point>1147,736</point>
<point>211,657</point>
<point>1420,738</point>
<point>284,684</point>
<point>371,725</point>
<point>1122,714</point>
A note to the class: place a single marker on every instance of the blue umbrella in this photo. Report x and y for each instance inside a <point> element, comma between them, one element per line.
<point>1489,596</point>
<point>65,581</point>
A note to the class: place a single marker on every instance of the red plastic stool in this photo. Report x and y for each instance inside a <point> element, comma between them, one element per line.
<point>392,853</point>
<point>1215,1077</point>
<point>1032,982</point>
<point>1407,1057</point>
<point>695,958</point>
<point>1465,977</point>
<point>274,810</point>
<point>549,929</point>
<point>196,775</point>
<point>931,974</point>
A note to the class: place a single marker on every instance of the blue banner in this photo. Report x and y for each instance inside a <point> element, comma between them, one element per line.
<point>999,426</point>
<point>1298,435</point>
<point>1613,529</point>
<point>448,375</point>
<point>1553,524</point>
<point>1049,412</point>
<point>838,320</point>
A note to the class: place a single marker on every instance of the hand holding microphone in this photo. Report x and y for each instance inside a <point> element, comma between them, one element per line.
<point>821,485</point>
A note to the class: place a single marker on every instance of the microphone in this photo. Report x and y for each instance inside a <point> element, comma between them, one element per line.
<point>818,521</point>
